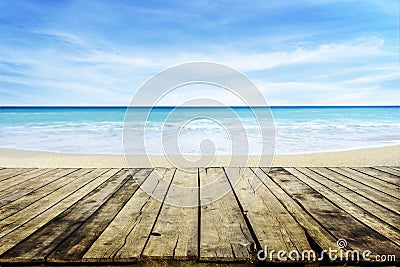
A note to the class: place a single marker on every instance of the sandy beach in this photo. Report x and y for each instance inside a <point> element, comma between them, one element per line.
<point>382,156</point>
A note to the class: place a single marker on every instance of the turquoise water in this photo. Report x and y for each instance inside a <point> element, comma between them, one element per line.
<point>99,130</point>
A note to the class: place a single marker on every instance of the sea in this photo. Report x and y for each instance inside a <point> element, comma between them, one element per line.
<point>99,130</point>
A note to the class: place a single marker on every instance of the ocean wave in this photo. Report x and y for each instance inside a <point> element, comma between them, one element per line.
<point>297,131</point>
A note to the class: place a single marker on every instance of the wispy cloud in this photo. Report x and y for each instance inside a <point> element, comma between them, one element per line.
<point>334,52</point>
<point>296,54</point>
<point>326,94</point>
<point>369,79</point>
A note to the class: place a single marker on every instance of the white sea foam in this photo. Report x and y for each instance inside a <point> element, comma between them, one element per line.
<point>297,130</point>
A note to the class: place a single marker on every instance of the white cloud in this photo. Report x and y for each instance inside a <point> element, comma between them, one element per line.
<point>241,60</point>
<point>63,36</point>
<point>335,52</point>
<point>327,93</point>
<point>375,78</point>
<point>102,75</point>
<point>356,70</point>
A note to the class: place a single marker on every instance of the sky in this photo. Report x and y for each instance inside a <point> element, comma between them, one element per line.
<point>99,53</point>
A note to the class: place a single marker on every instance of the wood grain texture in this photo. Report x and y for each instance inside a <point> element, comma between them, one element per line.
<point>37,208</point>
<point>273,225</point>
<point>175,233</point>
<point>337,221</point>
<point>378,184</point>
<point>38,245</point>
<point>124,216</point>
<point>80,240</point>
<point>389,170</point>
<point>125,237</point>
<point>311,226</point>
<point>23,178</point>
<point>381,175</point>
<point>376,217</point>
<point>386,200</point>
<point>23,223</point>
<point>224,235</point>
<point>24,201</point>
<point>6,173</point>
<point>394,168</point>
<point>16,192</point>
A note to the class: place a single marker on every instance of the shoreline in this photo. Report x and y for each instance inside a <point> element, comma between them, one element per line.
<point>379,156</point>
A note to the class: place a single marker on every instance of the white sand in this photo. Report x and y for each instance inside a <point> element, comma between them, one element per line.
<point>382,156</point>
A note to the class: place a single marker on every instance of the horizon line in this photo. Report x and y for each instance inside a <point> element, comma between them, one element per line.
<point>197,106</point>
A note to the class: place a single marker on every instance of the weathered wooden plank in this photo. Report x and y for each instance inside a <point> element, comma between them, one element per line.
<point>39,213</point>
<point>355,197</point>
<point>381,198</point>
<point>224,235</point>
<point>376,217</point>
<point>39,244</point>
<point>125,238</point>
<point>384,176</point>
<point>6,173</point>
<point>175,234</point>
<point>368,180</point>
<point>390,170</point>
<point>313,228</point>
<point>9,224</point>
<point>79,242</point>
<point>272,224</point>
<point>395,168</point>
<point>24,188</point>
<point>81,222</point>
<point>30,198</point>
<point>23,177</point>
<point>338,222</point>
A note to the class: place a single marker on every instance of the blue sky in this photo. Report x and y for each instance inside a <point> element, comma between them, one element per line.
<point>307,52</point>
